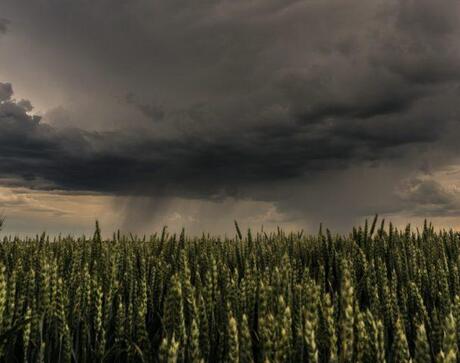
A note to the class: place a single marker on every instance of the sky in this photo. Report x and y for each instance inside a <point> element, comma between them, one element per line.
<point>146,113</point>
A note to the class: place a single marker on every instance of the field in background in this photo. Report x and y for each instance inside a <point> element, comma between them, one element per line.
<point>376,295</point>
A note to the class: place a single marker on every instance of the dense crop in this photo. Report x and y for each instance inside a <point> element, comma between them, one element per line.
<point>373,296</point>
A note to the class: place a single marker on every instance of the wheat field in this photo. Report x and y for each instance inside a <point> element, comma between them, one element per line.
<point>376,295</point>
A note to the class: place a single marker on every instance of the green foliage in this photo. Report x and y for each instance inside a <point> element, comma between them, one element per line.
<point>376,295</point>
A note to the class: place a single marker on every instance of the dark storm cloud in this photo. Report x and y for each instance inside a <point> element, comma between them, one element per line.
<point>242,95</point>
<point>136,162</point>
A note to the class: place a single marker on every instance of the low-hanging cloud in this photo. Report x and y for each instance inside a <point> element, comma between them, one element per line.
<point>132,161</point>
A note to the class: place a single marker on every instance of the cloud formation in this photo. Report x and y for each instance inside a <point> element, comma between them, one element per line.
<point>133,161</point>
<point>248,100</point>
<point>428,197</point>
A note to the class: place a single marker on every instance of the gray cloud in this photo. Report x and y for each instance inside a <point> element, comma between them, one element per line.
<point>429,198</point>
<point>134,161</point>
<point>248,99</point>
